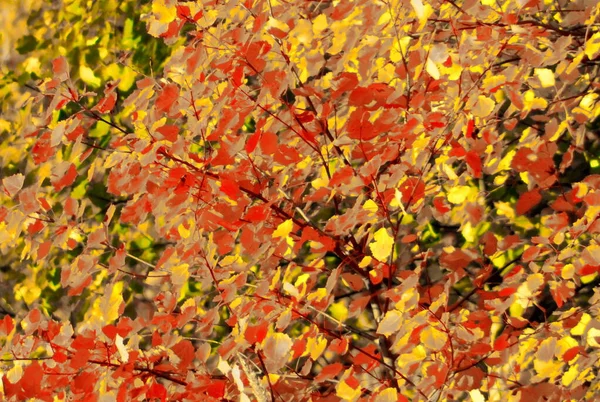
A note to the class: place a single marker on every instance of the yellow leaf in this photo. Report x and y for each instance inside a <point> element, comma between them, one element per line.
<point>316,347</point>
<point>370,206</point>
<point>105,309</point>
<point>339,311</point>
<point>476,395</point>
<point>459,194</point>
<point>284,229</point>
<point>423,11</point>
<point>179,275</point>
<point>346,392</point>
<point>387,395</point>
<point>319,24</point>
<point>531,101</point>
<point>390,323</point>
<point>183,231</point>
<point>432,69</point>
<point>382,246</point>
<point>483,107</point>
<point>165,11</point>
<point>433,338</point>
<point>592,46</point>
<point>87,75</point>
<point>399,49</point>
<point>546,77</point>
<point>571,375</point>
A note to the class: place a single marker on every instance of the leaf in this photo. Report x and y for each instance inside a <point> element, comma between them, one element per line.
<point>63,175</point>
<point>6,325</point>
<point>592,46</point>
<point>26,44</point>
<point>459,194</point>
<point>277,349</point>
<point>476,395</point>
<point>169,132</point>
<point>346,391</point>
<point>381,246</point>
<point>433,338</point>
<point>423,11</point>
<point>474,161</point>
<point>88,76</point>
<point>389,395</point>
<point>167,97</point>
<point>528,200</point>
<point>470,128</point>
<point>390,324</point>
<point>546,77</point>
<point>12,184</point>
<point>370,206</point>
<point>328,372</point>
<point>60,67</point>
<point>432,69</point>
<point>284,229</point>
<point>123,353</point>
<point>483,107</point>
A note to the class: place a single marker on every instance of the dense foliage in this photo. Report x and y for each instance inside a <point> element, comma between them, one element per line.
<point>291,200</point>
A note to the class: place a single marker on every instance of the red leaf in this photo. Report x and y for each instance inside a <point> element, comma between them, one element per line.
<point>43,249</point>
<point>84,383</point>
<point>60,67</point>
<point>345,82</point>
<point>6,325</point>
<point>470,128</point>
<point>412,190</point>
<point>185,351</point>
<point>157,391</point>
<point>167,97</point>
<point>42,150</point>
<point>474,162</point>
<point>268,143</point>
<point>216,389</point>
<point>107,103</point>
<point>59,357</point>
<point>328,372</point>
<point>531,253</point>
<point>256,333</point>
<point>507,292</point>
<point>339,346</point>
<point>589,269</point>
<point>31,382</point>
<point>230,188</point>
<point>253,141</point>
<point>409,238</point>
<point>169,132</point>
<point>440,205</point>
<point>528,200</point>
<point>501,343</point>
<point>35,227</point>
<point>571,354</point>
<point>257,213</point>
<point>110,331</point>
<point>63,175</point>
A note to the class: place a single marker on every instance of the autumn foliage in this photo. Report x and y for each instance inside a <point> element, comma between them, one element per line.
<point>291,200</point>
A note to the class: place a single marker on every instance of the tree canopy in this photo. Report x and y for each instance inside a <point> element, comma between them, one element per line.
<point>291,200</point>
